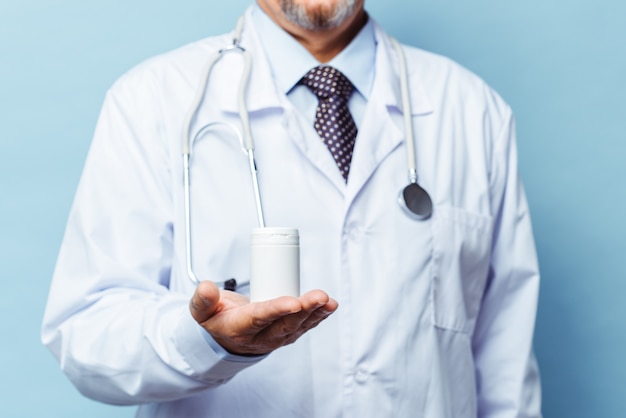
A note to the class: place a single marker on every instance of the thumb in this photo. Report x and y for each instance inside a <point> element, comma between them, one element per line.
<point>204,301</point>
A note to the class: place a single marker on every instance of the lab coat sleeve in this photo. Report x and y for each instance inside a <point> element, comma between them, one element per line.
<point>507,376</point>
<point>119,333</point>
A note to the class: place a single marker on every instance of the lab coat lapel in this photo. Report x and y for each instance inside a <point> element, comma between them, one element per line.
<point>312,147</point>
<point>378,136</point>
<point>382,130</point>
<point>222,90</point>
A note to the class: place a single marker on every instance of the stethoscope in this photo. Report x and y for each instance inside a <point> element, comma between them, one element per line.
<point>413,199</point>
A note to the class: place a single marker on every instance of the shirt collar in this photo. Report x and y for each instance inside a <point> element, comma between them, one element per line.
<point>289,61</point>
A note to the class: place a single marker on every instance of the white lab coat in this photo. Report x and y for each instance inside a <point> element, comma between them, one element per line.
<point>436,317</point>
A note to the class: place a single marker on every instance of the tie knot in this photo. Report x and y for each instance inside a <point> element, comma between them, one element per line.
<point>325,82</point>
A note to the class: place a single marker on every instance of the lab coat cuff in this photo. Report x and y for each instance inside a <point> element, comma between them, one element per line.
<point>206,359</point>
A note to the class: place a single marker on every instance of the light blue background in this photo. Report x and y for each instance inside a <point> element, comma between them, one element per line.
<point>561,64</point>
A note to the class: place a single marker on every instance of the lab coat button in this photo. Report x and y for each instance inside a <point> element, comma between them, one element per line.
<point>360,376</point>
<point>354,233</point>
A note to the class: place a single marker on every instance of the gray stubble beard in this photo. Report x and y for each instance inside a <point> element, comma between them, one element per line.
<point>320,18</point>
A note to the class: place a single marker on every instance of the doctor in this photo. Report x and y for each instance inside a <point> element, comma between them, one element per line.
<point>431,318</point>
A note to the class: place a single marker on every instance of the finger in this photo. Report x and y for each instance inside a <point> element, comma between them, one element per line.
<point>268,312</point>
<point>265,313</point>
<point>316,305</point>
<point>323,311</point>
<point>289,329</point>
<point>316,299</point>
<point>319,315</point>
<point>304,320</point>
<point>204,302</point>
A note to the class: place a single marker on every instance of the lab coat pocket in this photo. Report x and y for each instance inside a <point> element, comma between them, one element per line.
<point>461,256</point>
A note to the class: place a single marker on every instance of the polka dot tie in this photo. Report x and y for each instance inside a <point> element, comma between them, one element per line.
<point>333,121</point>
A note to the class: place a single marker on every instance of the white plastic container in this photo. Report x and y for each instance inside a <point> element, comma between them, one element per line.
<point>275,263</point>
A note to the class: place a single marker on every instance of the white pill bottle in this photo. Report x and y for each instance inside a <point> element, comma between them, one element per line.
<point>274,263</point>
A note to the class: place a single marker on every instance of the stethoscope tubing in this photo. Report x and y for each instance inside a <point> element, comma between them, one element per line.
<point>246,141</point>
<point>407,112</point>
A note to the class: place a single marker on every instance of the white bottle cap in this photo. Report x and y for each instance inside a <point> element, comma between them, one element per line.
<point>275,236</point>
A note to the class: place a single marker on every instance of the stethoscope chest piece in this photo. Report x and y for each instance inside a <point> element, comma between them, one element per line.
<point>416,202</point>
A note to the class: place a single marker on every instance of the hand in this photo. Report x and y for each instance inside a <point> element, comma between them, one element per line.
<point>258,328</point>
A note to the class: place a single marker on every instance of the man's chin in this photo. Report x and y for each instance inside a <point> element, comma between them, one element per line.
<point>320,17</point>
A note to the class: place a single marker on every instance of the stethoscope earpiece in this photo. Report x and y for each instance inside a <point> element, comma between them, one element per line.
<point>416,202</point>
